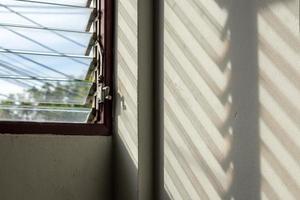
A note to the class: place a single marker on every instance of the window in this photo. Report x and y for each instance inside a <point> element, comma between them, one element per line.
<point>56,66</point>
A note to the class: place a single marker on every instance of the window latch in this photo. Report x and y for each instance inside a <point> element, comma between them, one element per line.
<point>103,94</point>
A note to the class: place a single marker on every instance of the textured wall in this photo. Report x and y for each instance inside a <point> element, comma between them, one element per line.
<point>232,99</point>
<point>127,74</point>
<point>55,167</point>
<point>125,140</point>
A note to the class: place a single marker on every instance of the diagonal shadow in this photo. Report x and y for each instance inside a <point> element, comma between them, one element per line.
<point>243,54</point>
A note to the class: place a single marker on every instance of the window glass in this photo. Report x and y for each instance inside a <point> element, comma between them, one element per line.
<point>44,60</point>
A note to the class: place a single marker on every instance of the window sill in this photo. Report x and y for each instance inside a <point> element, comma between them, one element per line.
<point>8,127</point>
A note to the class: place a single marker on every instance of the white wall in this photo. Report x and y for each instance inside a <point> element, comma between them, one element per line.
<point>125,138</point>
<point>232,99</point>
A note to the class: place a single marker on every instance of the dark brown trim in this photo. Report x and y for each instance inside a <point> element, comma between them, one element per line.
<point>109,58</point>
<point>8,127</point>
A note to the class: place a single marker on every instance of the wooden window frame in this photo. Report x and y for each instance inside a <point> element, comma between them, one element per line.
<point>105,127</point>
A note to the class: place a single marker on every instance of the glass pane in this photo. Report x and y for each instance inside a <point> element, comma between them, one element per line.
<point>30,39</point>
<point>43,90</point>
<point>67,2</point>
<point>44,66</point>
<point>44,114</point>
<point>43,62</point>
<point>45,15</point>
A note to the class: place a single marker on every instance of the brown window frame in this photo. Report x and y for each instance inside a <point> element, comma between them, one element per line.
<point>104,127</point>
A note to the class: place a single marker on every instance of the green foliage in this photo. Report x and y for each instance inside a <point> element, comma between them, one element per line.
<point>49,102</point>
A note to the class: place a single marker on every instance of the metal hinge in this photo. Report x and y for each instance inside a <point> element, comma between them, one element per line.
<point>103,94</point>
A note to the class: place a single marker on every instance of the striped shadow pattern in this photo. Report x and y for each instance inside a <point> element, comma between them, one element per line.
<point>127,75</point>
<point>199,107</point>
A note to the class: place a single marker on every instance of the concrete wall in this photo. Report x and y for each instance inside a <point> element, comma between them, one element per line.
<point>232,99</point>
<point>125,138</point>
<point>36,167</point>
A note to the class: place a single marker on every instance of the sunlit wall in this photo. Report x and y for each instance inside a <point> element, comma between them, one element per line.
<point>126,138</point>
<point>127,74</point>
<point>232,93</point>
